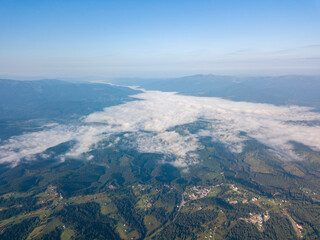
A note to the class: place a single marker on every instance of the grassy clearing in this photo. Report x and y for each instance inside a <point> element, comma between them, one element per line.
<point>151,223</point>
<point>52,225</point>
<point>214,192</point>
<point>125,231</point>
<point>36,232</point>
<point>16,195</point>
<point>107,208</point>
<point>45,228</point>
<point>67,234</point>
<point>293,169</point>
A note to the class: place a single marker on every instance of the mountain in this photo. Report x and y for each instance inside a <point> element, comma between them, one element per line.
<point>54,98</point>
<point>26,104</point>
<point>281,90</point>
<point>91,161</point>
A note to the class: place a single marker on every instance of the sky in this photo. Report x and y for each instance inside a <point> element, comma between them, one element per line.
<point>152,38</point>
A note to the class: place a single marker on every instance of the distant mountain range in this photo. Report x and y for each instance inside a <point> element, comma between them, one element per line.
<point>55,98</point>
<point>41,100</point>
<point>281,90</point>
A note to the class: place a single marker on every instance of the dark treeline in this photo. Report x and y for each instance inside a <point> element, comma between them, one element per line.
<point>88,221</point>
<point>20,230</point>
<point>126,209</point>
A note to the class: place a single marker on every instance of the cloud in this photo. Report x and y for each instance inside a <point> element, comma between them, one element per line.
<point>274,126</point>
<point>150,125</point>
<point>170,143</point>
<point>26,145</point>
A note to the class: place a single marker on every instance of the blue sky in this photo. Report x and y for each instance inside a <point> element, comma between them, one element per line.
<point>149,38</point>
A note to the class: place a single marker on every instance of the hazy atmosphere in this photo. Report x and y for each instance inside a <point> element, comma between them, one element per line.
<point>106,39</point>
<point>160,120</point>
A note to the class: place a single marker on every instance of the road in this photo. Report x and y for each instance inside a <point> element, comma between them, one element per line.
<point>181,205</point>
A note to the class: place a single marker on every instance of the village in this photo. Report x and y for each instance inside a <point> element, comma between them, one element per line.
<point>198,192</point>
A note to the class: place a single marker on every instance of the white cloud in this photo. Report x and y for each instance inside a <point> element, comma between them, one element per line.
<point>170,143</point>
<point>29,144</point>
<point>159,111</point>
<point>151,121</point>
<point>86,137</point>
